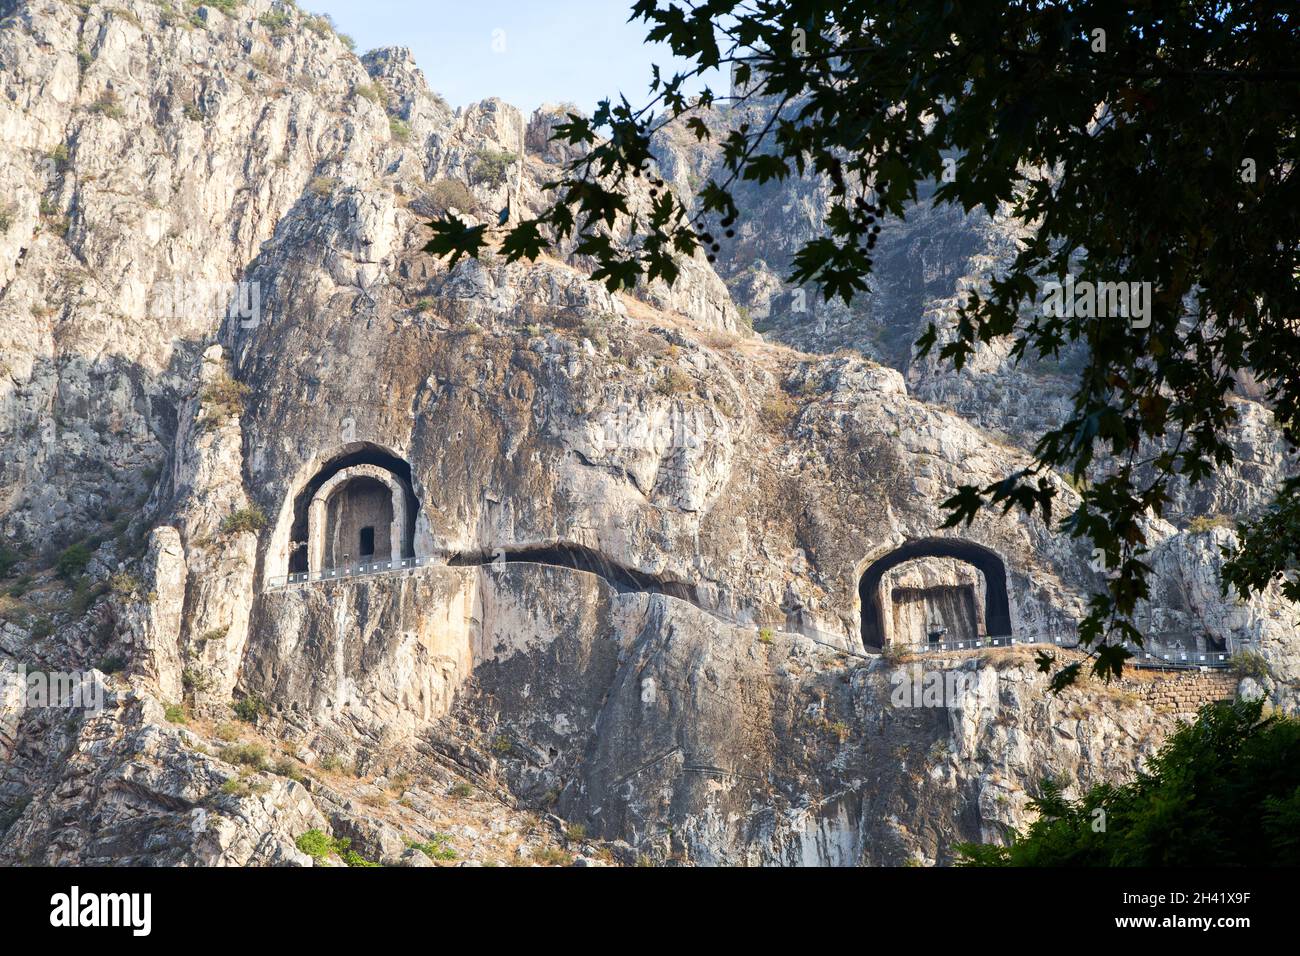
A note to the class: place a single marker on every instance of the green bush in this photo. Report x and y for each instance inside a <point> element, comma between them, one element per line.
<point>195,681</point>
<point>239,787</point>
<point>249,708</point>
<point>8,212</point>
<point>778,411</point>
<point>553,856</point>
<point>251,518</point>
<point>72,561</point>
<point>333,763</point>
<point>372,92</point>
<point>124,584</point>
<point>245,755</point>
<point>9,559</point>
<point>111,664</point>
<point>321,25</point>
<point>108,105</point>
<point>223,398</point>
<point>400,129</point>
<point>288,767</point>
<point>316,844</point>
<point>319,846</point>
<point>674,382</point>
<point>1204,523</point>
<point>277,21</point>
<point>84,594</point>
<point>490,166</point>
<point>175,714</point>
<point>435,848</point>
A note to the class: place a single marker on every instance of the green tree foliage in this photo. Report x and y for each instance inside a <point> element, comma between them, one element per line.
<point>1143,143</point>
<point>72,561</point>
<point>9,559</point>
<point>1224,791</point>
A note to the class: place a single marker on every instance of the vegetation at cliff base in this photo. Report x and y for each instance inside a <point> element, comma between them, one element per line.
<point>1224,791</point>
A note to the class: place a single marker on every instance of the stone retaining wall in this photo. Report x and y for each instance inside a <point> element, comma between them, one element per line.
<point>1181,692</point>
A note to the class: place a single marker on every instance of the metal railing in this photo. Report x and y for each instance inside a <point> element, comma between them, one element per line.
<point>364,569</point>
<point>985,640</point>
<point>1178,658</point>
<point>1153,655</point>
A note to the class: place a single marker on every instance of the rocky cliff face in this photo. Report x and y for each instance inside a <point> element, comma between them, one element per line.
<point>924,264</point>
<point>634,629</point>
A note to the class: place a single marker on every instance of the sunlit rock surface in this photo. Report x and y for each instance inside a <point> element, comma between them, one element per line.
<point>634,629</point>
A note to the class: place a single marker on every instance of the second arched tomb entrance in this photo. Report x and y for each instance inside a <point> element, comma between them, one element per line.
<point>931,591</point>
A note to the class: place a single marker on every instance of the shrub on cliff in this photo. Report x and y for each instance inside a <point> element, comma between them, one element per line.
<point>1250,664</point>
<point>491,166</point>
<point>324,186</point>
<point>1203,523</point>
<point>72,561</point>
<point>223,398</point>
<point>319,846</point>
<point>445,195</point>
<point>243,519</point>
<point>249,708</point>
<point>108,105</point>
<point>9,559</point>
<point>1224,791</point>
<point>277,21</point>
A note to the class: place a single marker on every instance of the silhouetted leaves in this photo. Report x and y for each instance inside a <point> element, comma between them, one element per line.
<point>455,238</point>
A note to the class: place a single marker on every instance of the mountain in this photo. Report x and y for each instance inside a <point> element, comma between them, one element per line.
<point>490,562</point>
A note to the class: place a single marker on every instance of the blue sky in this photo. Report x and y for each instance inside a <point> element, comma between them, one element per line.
<point>555,51</point>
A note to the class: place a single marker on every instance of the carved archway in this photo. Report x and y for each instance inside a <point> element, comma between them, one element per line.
<point>305,528</point>
<point>344,507</point>
<point>996,604</point>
